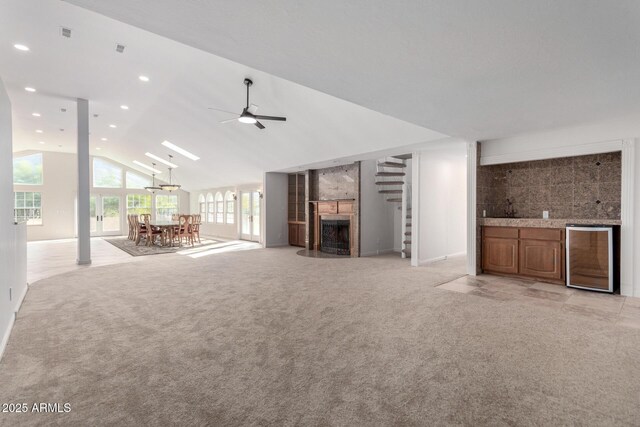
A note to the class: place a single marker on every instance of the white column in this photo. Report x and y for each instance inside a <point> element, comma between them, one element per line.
<point>84,180</point>
<point>415,209</point>
<point>472,165</point>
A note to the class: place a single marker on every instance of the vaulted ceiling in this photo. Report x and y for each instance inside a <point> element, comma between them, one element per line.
<point>467,68</point>
<point>172,105</point>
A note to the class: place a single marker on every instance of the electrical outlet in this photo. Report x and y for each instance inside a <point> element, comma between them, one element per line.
<point>545,214</point>
<point>484,213</point>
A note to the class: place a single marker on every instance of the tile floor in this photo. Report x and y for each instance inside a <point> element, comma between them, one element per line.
<point>623,311</point>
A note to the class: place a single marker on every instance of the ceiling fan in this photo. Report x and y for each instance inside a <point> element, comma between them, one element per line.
<point>248,114</point>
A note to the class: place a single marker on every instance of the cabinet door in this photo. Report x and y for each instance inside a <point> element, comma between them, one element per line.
<point>541,258</point>
<point>301,233</point>
<point>500,255</point>
<point>293,234</point>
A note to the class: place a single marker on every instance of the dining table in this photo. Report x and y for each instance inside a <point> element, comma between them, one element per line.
<point>167,228</point>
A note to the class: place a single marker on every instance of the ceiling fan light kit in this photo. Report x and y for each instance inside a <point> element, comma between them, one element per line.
<point>248,115</point>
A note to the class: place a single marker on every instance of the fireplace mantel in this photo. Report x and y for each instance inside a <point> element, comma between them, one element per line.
<point>341,209</point>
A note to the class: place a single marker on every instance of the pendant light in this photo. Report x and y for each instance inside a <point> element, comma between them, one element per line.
<point>170,186</point>
<point>153,188</point>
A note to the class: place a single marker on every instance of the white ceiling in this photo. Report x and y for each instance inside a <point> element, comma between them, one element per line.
<point>173,105</point>
<point>468,68</point>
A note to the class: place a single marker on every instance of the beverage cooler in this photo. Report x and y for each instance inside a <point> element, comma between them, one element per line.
<point>593,257</point>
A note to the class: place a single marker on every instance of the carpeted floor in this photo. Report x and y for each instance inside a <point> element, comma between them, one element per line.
<point>266,337</point>
<point>130,247</point>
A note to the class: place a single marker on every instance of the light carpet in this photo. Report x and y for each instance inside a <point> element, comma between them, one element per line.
<point>266,337</point>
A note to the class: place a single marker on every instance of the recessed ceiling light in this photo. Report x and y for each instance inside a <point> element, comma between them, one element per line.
<point>35,114</point>
<point>38,131</point>
<point>146,167</point>
<point>179,150</point>
<point>161,160</point>
<point>42,142</point>
<point>143,78</point>
<point>29,89</point>
<point>21,47</point>
<point>113,126</point>
<point>103,139</point>
<point>124,107</point>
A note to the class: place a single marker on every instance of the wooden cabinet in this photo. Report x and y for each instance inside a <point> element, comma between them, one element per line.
<point>532,252</point>
<point>541,258</point>
<point>500,255</point>
<point>296,209</point>
<point>296,234</point>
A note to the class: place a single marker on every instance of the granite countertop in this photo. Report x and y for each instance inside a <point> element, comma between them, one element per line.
<point>542,223</point>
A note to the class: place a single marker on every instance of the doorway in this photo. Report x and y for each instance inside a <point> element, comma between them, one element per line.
<point>250,216</point>
<point>105,213</point>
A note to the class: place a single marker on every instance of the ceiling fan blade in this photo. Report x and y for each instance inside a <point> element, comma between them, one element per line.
<point>259,125</point>
<point>229,120</point>
<point>280,119</point>
<point>253,108</point>
<point>224,111</point>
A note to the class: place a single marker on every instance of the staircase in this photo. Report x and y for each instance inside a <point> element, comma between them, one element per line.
<point>392,183</point>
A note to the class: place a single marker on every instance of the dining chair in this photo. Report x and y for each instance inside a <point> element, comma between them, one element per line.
<point>184,229</point>
<point>152,232</point>
<point>195,227</point>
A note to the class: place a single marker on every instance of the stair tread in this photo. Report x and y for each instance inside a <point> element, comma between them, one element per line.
<point>392,165</point>
<point>408,216</point>
<point>407,233</point>
<point>394,200</point>
<point>390,191</point>
<point>390,174</point>
<point>389,182</point>
<point>407,242</point>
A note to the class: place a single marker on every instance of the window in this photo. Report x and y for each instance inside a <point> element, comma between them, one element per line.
<point>230,206</point>
<point>105,174</point>
<point>202,208</point>
<point>28,207</point>
<point>138,204</point>
<point>219,208</point>
<point>166,205</point>
<point>137,181</point>
<point>28,169</point>
<point>210,208</point>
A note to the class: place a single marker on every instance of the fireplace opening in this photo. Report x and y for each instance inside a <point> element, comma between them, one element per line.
<point>335,237</point>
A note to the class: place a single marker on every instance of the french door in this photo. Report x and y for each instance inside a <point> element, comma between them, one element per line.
<point>105,212</point>
<point>250,216</point>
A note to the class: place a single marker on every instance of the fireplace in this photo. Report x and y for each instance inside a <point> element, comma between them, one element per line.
<point>335,236</point>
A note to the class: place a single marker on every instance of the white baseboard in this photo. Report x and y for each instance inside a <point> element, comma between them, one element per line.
<point>21,298</point>
<point>440,258</point>
<point>378,252</point>
<point>277,245</point>
<point>7,334</point>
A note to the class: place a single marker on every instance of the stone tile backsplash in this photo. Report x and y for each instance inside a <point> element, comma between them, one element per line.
<point>582,187</point>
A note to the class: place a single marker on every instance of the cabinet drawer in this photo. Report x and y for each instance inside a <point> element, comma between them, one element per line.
<point>541,233</point>
<point>345,207</point>
<point>328,207</point>
<point>500,232</point>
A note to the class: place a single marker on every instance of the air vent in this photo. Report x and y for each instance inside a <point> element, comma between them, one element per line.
<point>65,32</point>
<point>64,110</point>
<point>119,48</point>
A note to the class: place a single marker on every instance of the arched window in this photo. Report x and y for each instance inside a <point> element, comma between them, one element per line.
<point>202,208</point>
<point>219,208</point>
<point>230,208</point>
<point>210,208</point>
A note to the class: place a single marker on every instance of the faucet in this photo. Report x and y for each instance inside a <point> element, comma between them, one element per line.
<point>509,212</point>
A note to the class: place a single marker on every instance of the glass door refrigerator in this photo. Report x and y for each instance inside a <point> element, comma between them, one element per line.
<point>592,257</point>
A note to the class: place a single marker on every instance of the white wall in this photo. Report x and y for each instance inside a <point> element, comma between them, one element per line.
<point>585,139</point>
<point>59,189</point>
<point>7,238</point>
<point>376,214</point>
<point>442,202</point>
<point>275,204</point>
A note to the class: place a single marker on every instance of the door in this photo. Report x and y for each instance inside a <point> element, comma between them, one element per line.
<point>105,213</point>
<point>541,258</point>
<point>500,255</point>
<point>250,216</point>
